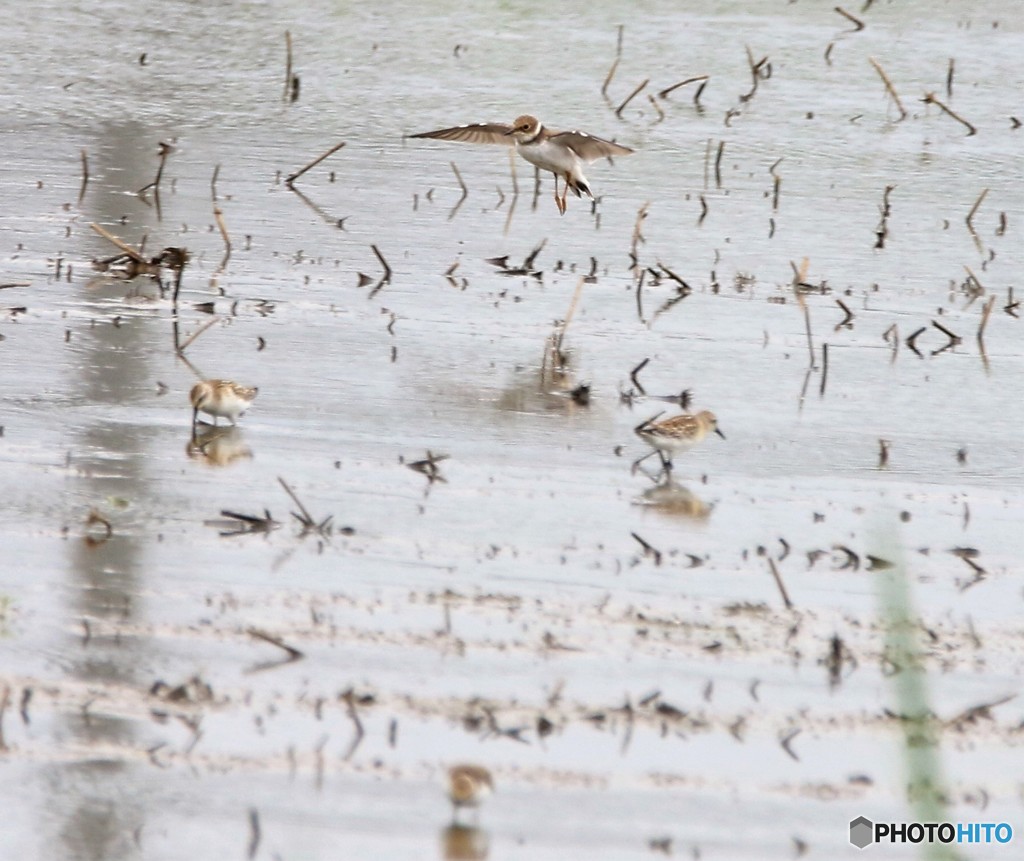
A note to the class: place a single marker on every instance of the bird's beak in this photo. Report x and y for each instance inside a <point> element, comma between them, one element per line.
<point>510,132</point>
<point>719,432</point>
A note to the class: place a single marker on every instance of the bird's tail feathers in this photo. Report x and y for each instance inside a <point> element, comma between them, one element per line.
<point>578,185</point>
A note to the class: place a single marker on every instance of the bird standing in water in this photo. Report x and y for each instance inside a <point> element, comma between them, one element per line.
<point>679,433</point>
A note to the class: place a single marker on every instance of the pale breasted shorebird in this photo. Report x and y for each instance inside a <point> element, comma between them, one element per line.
<point>220,398</point>
<point>679,433</point>
<point>562,153</point>
<point>468,786</point>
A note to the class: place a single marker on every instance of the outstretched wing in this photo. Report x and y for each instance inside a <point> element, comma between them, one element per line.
<point>491,133</point>
<point>588,147</point>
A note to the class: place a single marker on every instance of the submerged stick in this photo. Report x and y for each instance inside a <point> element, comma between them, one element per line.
<point>512,170</point>
<point>465,191</point>
<point>892,336</point>
<point>776,185</point>
<point>759,69</point>
<point>458,176</point>
<point>890,89</point>
<point>639,297</point>
<point>807,326</point>
<point>218,216</point>
<point>287,64</point>
<point>630,97</point>
<point>569,314</point>
<point>929,99</point>
<point>638,237</point>
<point>858,25</point>
<point>608,77</point>
<point>308,517</point>
<point>635,379</point>
<point>799,275</point>
<point>953,338</point>
<point>293,653</point>
<point>383,262</point>
<point>127,249</point>
<point>882,231</point>
<point>697,95</point>
<point>847,321</point>
<point>291,178</point>
<point>912,340</point>
<point>196,334</point>
<point>664,94</point>
<point>656,106</point>
<point>780,584</point>
<point>824,369</point>
<point>615,64</point>
<point>357,738</point>
<point>648,549</point>
<point>164,151</point>
<point>985,314</point>
<point>85,174</point>
<point>254,833</point>
<point>974,210</point>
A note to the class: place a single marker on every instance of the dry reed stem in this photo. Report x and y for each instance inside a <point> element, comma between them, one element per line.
<point>569,314</point>
<point>853,19</point>
<point>630,97</point>
<point>196,334</point>
<point>663,94</point>
<point>890,89</point>
<point>929,99</point>
<point>287,64</point>
<point>291,178</point>
<point>127,249</point>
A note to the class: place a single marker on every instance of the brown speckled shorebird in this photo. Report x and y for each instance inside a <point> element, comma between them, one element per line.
<point>679,433</point>
<point>220,398</point>
<point>468,786</point>
<point>562,153</point>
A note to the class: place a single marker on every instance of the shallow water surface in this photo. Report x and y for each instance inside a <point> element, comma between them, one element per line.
<point>611,644</point>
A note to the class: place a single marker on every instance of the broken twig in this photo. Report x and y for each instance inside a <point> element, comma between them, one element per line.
<point>292,177</point>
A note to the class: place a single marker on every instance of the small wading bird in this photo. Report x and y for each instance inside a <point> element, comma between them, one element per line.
<point>562,153</point>
<point>679,433</point>
<point>220,398</point>
<point>468,786</point>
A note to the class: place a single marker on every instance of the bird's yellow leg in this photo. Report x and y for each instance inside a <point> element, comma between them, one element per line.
<point>558,200</point>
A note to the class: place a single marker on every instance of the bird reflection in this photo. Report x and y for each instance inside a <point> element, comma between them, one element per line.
<point>464,843</point>
<point>671,497</point>
<point>217,446</point>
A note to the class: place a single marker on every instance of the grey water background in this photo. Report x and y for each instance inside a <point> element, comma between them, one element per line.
<point>462,611</point>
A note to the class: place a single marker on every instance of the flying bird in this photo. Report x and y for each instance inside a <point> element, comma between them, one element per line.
<point>562,153</point>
